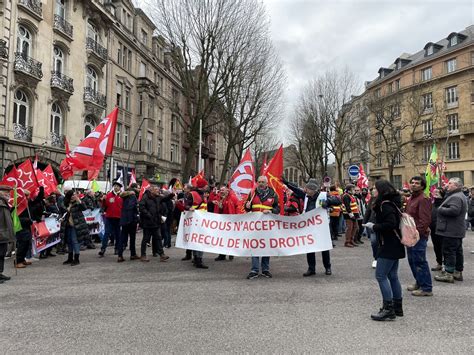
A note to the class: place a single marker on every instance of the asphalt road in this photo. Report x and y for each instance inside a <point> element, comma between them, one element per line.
<point>101,306</point>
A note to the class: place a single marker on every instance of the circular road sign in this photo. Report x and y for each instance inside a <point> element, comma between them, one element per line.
<point>353,171</point>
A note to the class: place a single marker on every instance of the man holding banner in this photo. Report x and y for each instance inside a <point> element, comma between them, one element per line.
<point>264,199</point>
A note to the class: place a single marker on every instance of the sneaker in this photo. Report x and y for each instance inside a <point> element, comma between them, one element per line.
<point>374,264</point>
<point>445,277</point>
<point>421,293</point>
<point>267,274</point>
<point>252,275</point>
<point>437,268</point>
<point>458,276</point>
<point>413,287</point>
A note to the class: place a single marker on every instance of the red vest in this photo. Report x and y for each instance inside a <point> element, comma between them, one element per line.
<point>197,199</point>
<point>259,206</point>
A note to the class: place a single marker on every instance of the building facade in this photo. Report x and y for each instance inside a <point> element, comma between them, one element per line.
<point>423,99</point>
<point>65,64</point>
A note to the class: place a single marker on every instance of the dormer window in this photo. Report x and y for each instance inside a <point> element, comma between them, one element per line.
<point>453,41</point>
<point>455,38</point>
<point>429,50</point>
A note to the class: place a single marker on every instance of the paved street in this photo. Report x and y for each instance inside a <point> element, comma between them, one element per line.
<point>134,307</point>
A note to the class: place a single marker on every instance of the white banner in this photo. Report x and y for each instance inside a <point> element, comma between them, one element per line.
<point>94,220</point>
<point>254,234</point>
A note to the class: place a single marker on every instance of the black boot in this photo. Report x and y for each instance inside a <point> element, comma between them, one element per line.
<point>199,265</point>
<point>76,260</point>
<point>69,259</point>
<point>188,255</point>
<point>220,257</point>
<point>385,313</point>
<point>397,307</point>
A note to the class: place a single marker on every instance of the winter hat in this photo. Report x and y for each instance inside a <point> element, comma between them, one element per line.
<point>312,184</point>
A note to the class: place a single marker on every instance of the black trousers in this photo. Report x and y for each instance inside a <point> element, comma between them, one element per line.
<point>333,227</point>
<point>156,241</point>
<point>3,253</point>
<point>311,258</point>
<point>23,243</point>
<point>453,255</point>
<point>129,230</point>
<point>438,247</point>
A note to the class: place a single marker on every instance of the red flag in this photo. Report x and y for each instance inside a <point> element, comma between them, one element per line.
<point>362,181</point>
<point>199,181</point>
<point>49,188</point>
<point>143,188</point>
<point>242,181</point>
<point>11,179</point>
<point>406,185</point>
<point>49,174</point>
<point>444,180</point>
<point>27,177</point>
<point>65,169</point>
<point>90,153</point>
<point>133,178</point>
<point>274,173</point>
<point>92,174</point>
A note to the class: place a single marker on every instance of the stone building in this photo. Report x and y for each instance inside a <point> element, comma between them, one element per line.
<point>67,63</point>
<point>421,99</point>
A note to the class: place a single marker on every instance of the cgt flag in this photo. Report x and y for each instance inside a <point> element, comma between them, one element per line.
<point>143,188</point>
<point>242,181</point>
<point>274,173</point>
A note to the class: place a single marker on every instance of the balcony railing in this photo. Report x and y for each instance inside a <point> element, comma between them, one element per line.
<point>22,133</point>
<point>95,47</point>
<point>62,25</point>
<point>3,49</point>
<point>95,97</point>
<point>34,6</point>
<point>57,140</point>
<point>62,82</point>
<point>28,65</point>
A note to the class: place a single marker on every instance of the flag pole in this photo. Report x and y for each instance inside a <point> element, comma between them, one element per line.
<point>200,146</point>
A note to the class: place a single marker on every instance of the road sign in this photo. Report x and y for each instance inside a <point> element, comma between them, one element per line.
<point>353,171</point>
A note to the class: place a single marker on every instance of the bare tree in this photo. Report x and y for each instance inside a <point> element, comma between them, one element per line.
<point>206,41</point>
<point>323,126</point>
<point>397,118</point>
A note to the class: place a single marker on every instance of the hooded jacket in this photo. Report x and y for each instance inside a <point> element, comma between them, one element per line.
<point>451,215</point>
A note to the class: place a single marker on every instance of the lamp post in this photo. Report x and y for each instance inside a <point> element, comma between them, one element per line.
<point>133,142</point>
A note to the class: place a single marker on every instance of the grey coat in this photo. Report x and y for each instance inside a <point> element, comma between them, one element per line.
<point>6,224</point>
<point>451,215</point>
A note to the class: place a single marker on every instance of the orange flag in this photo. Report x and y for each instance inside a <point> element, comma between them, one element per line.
<point>274,173</point>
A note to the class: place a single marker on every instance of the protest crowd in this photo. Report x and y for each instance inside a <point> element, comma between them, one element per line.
<point>39,220</point>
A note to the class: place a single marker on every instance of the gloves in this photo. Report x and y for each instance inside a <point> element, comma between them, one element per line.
<point>369,225</point>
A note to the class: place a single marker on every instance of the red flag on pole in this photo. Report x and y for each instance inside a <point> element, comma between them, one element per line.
<point>27,177</point>
<point>49,174</point>
<point>362,181</point>
<point>242,181</point>
<point>11,179</point>
<point>49,188</point>
<point>133,178</point>
<point>143,188</point>
<point>264,166</point>
<point>274,173</point>
<point>90,153</point>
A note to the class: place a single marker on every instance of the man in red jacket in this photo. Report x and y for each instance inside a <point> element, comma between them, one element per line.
<point>112,205</point>
<point>419,207</point>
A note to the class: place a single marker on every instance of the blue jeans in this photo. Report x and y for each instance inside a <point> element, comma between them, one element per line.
<point>256,263</point>
<point>386,274</point>
<point>419,266</point>
<point>112,229</point>
<point>72,243</point>
<point>374,244</point>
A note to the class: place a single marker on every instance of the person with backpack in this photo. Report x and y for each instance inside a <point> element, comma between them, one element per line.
<point>419,207</point>
<point>389,250</point>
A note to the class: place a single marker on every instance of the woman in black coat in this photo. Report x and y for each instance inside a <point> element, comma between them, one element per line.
<point>74,223</point>
<point>390,249</point>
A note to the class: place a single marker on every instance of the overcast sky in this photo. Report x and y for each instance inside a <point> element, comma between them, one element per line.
<point>364,35</point>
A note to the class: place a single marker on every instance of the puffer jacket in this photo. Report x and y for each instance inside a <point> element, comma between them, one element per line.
<point>150,210</point>
<point>129,208</point>
<point>75,210</point>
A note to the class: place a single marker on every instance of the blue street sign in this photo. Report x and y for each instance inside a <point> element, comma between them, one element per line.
<point>353,171</point>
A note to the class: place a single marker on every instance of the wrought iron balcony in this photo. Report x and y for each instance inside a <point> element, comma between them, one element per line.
<point>62,82</point>
<point>28,66</point>
<point>22,133</point>
<point>57,140</point>
<point>96,48</point>
<point>3,49</point>
<point>35,6</point>
<point>95,97</point>
<point>62,25</point>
